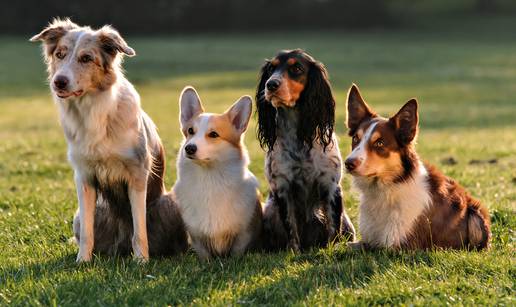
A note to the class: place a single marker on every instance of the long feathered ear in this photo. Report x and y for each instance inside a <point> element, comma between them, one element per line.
<point>266,130</point>
<point>51,35</point>
<point>317,107</point>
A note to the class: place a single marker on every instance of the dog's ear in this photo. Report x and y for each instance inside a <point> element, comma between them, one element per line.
<point>357,110</point>
<point>266,129</point>
<point>51,35</point>
<point>406,122</point>
<point>317,106</point>
<point>240,113</point>
<point>190,105</point>
<point>112,43</point>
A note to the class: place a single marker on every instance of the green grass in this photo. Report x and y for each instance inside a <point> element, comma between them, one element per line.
<point>464,77</point>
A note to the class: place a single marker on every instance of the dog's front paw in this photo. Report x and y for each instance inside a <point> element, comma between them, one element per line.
<point>140,249</point>
<point>83,257</point>
<point>140,255</point>
<point>141,260</point>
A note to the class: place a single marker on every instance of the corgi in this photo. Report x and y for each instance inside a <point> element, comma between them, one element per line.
<point>405,203</point>
<point>216,193</point>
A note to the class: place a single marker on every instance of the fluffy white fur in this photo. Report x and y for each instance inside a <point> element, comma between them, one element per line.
<point>109,136</point>
<point>216,201</point>
<point>216,193</point>
<point>388,212</point>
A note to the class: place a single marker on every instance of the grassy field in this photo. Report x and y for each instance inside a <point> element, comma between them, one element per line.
<point>463,75</point>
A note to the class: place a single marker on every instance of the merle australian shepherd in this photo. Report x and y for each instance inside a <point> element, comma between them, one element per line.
<point>296,115</point>
<point>113,146</point>
<point>405,203</point>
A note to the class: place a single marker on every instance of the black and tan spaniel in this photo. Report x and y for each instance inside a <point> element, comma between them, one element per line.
<point>296,117</point>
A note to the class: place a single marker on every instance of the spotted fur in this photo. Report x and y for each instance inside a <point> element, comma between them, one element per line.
<point>303,162</point>
<point>113,146</point>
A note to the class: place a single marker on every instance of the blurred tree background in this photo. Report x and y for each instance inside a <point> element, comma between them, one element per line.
<point>190,16</point>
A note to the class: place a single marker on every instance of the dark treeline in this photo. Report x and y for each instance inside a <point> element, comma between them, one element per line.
<point>180,16</point>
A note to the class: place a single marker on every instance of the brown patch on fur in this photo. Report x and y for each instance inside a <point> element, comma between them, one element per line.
<point>222,125</point>
<point>52,34</point>
<point>291,61</point>
<point>454,219</point>
<point>358,111</point>
<point>102,46</point>
<point>292,83</point>
<point>295,89</point>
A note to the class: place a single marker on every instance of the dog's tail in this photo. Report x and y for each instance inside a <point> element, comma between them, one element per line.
<point>479,228</point>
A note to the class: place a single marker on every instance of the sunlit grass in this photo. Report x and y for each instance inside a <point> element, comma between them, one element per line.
<point>466,88</point>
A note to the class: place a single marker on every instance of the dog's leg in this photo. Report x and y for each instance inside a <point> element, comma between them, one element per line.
<point>138,198</point>
<point>87,198</point>
<point>287,210</point>
<point>330,210</point>
<point>336,210</point>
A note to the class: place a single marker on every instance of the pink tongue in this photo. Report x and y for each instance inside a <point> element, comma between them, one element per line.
<point>78,93</point>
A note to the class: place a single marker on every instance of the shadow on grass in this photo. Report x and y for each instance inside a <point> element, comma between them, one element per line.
<point>256,278</point>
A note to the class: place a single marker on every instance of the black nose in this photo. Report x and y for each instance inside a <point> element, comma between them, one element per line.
<point>61,82</point>
<point>190,149</point>
<point>273,84</point>
<point>351,164</point>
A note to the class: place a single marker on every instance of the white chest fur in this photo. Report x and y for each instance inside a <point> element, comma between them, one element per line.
<point>388,212</point>
<point>215,201</point>
<point>101,128</point>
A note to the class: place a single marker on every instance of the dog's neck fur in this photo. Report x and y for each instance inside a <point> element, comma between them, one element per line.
<point>232,169</point>
<point>216,199</point>
<point>100,125</point>
<point>388,211</point>
<point>287,120</point>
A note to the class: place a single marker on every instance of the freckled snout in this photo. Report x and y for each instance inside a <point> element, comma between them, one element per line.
<point>273,84</point>
<point>61,82</point>
<point>351,164</point>
<point>191,149</point>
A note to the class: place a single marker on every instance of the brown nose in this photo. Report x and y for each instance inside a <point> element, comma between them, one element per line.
<point>61,82</point>
<point>351,164</point>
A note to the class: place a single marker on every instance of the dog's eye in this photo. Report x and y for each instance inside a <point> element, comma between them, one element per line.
<point>213,135</point>
<point>85,58</point>
<point>191,131</point>
<point>378,144</point>
<point>355,139</point>
<point>60,55</point>
<point>297,70</point>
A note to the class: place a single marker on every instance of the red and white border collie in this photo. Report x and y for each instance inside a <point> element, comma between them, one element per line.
<point>405,203</point>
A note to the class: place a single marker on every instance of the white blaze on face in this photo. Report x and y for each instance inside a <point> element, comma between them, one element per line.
<point>199,138</point>
<point>67,65</point>
<point>360,151</point>
<point>210,149</point>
